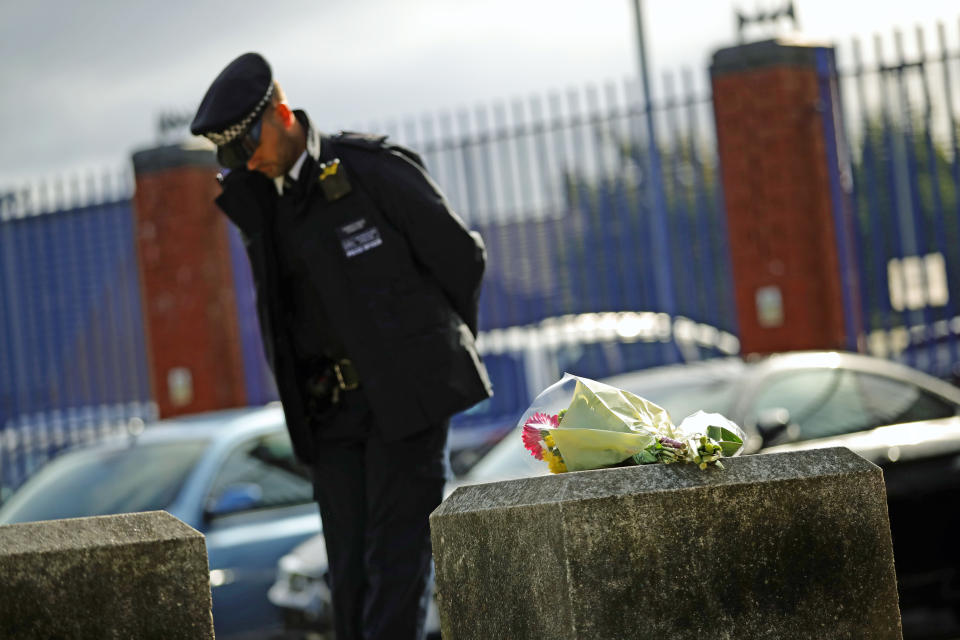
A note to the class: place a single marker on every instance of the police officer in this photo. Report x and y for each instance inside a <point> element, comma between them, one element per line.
<point>367,287</point>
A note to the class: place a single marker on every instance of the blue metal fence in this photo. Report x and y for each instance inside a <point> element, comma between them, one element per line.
<point>561,190</point>
<point>72,354</point>
<point>902,119</point>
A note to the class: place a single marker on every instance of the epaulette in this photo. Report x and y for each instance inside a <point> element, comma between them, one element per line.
<point>362,140</point>
<point>376,142</point>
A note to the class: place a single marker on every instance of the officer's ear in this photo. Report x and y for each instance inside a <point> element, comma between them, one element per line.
<point>285,114</point>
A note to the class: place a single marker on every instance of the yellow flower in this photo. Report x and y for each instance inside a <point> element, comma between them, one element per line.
<point>551,455</point>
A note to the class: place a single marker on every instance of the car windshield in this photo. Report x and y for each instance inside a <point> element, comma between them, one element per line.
<point>679,396</point>
<point>96,482</point>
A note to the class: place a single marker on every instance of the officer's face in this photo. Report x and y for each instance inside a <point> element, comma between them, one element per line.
<point>273,156</point>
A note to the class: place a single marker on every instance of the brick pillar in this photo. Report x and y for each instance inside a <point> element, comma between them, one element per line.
<point>187,283</point>
<point>786,187</point>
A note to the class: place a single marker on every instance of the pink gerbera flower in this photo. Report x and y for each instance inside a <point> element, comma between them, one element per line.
<point>532,439</point>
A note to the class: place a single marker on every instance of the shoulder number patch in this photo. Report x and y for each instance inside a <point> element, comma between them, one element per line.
<point>333,180</point>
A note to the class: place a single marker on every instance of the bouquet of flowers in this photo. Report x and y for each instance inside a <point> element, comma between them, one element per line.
<point>578,424</point>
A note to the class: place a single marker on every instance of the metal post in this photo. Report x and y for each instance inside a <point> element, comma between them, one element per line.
<point>663,273</point>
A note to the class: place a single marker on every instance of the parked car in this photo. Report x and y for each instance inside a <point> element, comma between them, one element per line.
<point>230,474</point>
<point>903,420</point>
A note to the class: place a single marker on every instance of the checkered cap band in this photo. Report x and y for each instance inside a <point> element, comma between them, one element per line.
<point>235,130</point>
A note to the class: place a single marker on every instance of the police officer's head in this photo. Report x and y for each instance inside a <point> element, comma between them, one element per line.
<point>245,114</point>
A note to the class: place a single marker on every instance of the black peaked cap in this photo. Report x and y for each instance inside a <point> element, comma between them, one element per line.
<point>234,100</point>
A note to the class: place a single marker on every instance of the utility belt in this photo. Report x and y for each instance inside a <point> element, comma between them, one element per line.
<point>328,385</point>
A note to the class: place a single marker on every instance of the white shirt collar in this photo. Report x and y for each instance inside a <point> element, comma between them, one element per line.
<point>313,150</point>
<point>294,172</point>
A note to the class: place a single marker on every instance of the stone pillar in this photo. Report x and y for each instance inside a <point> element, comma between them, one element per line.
<point>787,545</point>
<point>786,184</point>
<point>187,282</point>
<point>137,575</point>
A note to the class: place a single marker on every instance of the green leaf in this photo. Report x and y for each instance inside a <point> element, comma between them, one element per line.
<point>714,433</point>
<point>645,457</point>
<point>730,448</point>
<point>729,436</point>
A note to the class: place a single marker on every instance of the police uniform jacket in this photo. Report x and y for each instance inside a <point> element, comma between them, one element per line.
<point>397,273</point>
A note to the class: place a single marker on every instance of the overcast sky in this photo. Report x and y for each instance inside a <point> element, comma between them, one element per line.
<point>82,83</point>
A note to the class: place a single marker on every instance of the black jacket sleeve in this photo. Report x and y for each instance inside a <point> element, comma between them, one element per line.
<point>247,197</point>
<point>441,243</point>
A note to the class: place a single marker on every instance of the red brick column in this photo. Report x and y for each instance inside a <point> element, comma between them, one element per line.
<point>782,193</point>
<point>186,282</point>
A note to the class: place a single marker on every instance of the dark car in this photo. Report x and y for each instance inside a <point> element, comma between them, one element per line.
<point>231,475</point>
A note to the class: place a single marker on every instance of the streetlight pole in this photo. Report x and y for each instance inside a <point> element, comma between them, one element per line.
<point>656,201</point>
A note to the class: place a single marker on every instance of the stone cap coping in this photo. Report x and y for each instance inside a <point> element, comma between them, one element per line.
<point>783,51</point>
<point>653,478</point>
<point>86,533</point>
<point>195,152</point>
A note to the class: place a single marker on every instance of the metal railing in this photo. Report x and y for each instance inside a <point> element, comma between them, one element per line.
<point>559,186</point>
<point>72,355</point>
<point>902,124</point>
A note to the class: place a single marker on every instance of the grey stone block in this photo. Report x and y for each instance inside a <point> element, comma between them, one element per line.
<point>140,575</point>
<point>791,545</point>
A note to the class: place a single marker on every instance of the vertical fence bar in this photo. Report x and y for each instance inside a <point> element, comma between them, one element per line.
<point>498,252</point>
<point>11,317</point>
<point>571,224</point>
<point>869,214</point>
<point>91,334</point>
<point>918,331</point>
<point>894,182</point>
<point>29,257</point>
<point>940,364</point>
<point>513,223</point>
<point>41,293</point>
<point>838,173</point>
<point>683,239</point>
<point>79,417</point>
<point>609,218</point>
<point>954,281</point>
<point>43,297</point>
<point>8,377</point>
<point>588,275</point>
<point>489,311</point>
<point>59,319</point>
<point>21,335</point>
<point>122,237</point>
<point>659,233</point>
<point>553,218</point>
<point>538,272</point>
<point>624,247</point>
<point>644,213</point>
<point>453,179</point>
<point>634,184</point>
<point>109,329</point>
<point>708,294</point>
